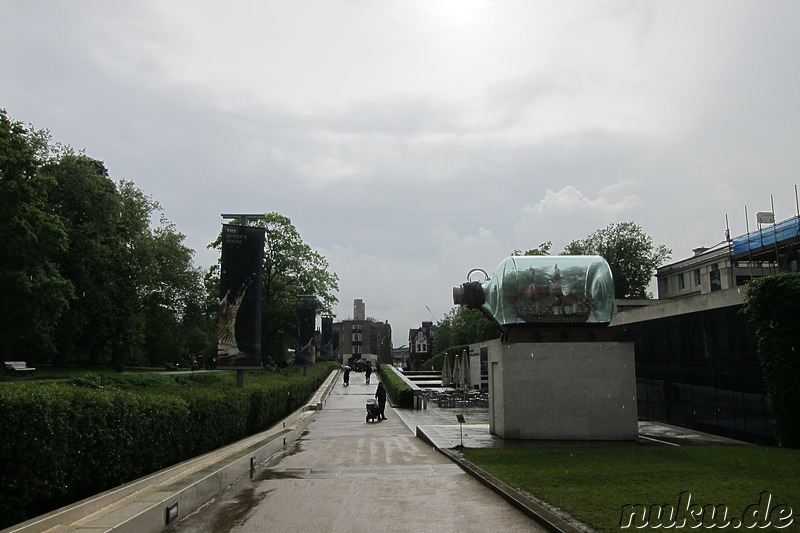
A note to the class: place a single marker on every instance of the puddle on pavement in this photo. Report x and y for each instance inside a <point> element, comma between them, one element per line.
<point>266,475</point>
<point>235,512</point>
<point>263,472</point>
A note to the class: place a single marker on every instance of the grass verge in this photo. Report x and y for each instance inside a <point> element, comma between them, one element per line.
<point>594,484</point>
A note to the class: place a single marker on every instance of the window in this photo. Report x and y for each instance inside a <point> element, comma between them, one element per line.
<point>422,347</point>
<point>356,350</point>
<point>716,282</point>
<point>681,282</point>
<point>697,277</point>
<point>356,337</point>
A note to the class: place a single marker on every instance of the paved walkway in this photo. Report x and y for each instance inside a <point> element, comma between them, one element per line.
<point>347,475</point>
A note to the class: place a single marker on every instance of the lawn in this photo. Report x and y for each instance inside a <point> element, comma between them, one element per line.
<point>594,484</point>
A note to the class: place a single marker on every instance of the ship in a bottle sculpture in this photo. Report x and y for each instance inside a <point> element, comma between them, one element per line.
<point>543,290</point>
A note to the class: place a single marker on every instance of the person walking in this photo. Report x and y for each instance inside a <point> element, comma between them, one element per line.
<point>368,371</point>
<point>346,376</point>
<point>380,394</point>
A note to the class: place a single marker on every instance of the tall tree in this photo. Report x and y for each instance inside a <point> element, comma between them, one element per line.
<point>32,289</point>
<point>463,326</point>
<point>172,298</point>
<point>133,278</point>
<point>291,268</point>
<point>85,272</point>
<point>629,251</point>
<point>155,284</point>
<point>89,206</point>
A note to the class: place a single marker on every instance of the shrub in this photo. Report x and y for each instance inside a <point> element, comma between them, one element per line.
<point>771,304</point>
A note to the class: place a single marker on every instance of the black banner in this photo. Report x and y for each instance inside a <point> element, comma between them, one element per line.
<point>305,347</point>
<point>239,331</point>
<point>328,352</point>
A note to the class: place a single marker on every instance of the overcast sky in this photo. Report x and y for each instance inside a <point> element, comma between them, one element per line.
<point>411,141</point>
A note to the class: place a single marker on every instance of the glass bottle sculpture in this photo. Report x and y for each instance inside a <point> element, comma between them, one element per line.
<point>530,289</point>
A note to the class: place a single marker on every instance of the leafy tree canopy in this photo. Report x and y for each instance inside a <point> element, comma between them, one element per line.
<point>85,271</point>
<point>463,326</point>
<point>629,251</point>
<point>33,290</point>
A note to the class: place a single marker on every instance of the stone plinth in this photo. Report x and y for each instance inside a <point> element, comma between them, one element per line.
<point>562,390</point>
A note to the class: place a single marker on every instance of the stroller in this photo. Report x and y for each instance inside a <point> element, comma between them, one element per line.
<point>373,411</point>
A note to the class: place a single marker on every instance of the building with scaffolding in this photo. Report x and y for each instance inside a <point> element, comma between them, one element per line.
<point>770,249</point>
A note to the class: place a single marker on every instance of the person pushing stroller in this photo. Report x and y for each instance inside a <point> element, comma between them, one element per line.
<point>380,395</point>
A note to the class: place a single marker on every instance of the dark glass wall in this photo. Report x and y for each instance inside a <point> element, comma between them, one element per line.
<point>701,370</point>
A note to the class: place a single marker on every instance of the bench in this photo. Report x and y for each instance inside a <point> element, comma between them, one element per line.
<point>18,368</point>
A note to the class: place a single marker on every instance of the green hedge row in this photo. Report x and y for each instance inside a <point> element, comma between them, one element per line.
<point>437,361</point>
<point>63,441</point>
<point>398,390</point>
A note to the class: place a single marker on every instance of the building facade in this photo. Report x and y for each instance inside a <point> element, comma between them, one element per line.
<point>771,249</point>
<point>400,357</point>
<point>364,338</point>
<point>420,345</point>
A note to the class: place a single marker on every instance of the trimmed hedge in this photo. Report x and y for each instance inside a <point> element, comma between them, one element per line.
<point>398,390</point>
<point>66,440</point>
<point>437,361</point>
<point>434,363</point>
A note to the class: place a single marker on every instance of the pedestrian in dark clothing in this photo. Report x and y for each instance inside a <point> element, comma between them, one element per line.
<point>346,376</point>
<point>380,394</point>
<point>368,371</point>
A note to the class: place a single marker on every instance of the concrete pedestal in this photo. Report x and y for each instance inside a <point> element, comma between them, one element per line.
<point>562,390</point>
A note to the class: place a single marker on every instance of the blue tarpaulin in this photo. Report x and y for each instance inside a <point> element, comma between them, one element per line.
<point>779,233</point>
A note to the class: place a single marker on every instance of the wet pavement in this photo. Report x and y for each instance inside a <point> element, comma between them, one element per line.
<point>325,468</point>
<point>346,474</point>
